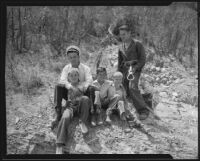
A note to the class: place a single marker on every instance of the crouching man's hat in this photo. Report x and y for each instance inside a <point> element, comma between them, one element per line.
<point>73,49</point>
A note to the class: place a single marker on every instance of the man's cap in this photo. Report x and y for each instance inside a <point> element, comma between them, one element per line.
<point>74,49</point>
<point>124,27</point>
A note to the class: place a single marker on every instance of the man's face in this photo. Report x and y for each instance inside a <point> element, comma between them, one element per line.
<point>117,81</point>
<point>73,58</point>
<point>101,76</point>
<point>74,77</point>
<point>124,35</point>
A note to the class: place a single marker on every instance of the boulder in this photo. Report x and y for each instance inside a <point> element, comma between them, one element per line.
<point>163,94</point>
<point>158,69</point>
<point>163,70</point>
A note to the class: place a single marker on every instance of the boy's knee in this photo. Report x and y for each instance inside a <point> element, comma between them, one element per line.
<point>85,99</point>
<point>67,114</point>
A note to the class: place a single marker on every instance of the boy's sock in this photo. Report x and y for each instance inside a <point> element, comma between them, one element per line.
<point>99,119</point>
<point>93,120</point>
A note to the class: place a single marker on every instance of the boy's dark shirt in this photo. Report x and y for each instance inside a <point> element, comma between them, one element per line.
<point>135,51</point>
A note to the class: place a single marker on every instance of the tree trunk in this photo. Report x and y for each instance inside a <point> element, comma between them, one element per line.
<point>12,27</point>
<point>20,31</point>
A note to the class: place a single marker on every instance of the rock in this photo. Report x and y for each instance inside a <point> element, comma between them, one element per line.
<point>127,130</point>
<point>17,120</point>
<point>171,77</point>
<point>177,80</point>
<point>83,149</point>
<point>164,80</point>
<point>158,69</point>
<point>157,79</point>
<point>31,149</point>
<point>163,70</point>
<point>163,94</point>
<point>174,94</point>
<point>153,68</point>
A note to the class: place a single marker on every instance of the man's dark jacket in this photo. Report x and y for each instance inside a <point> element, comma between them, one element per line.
<point>135,51</point>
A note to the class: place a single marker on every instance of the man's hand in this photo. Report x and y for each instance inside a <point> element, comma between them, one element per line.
<point>133,70</point>
<point>95,88</point>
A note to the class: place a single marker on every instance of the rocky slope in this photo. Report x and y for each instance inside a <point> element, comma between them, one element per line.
<point>175,91</point>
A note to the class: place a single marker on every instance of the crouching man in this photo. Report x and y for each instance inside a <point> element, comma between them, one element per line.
<point>62,91</point>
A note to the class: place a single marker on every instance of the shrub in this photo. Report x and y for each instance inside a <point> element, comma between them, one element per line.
<point>56,67</point>
<point>29,78</point>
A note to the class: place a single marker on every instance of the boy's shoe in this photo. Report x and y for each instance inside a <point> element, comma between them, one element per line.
<point>84,128</point>
<point>126,127</point>
<point>99,119</point>
<point>59,150</point>
<point>123,116</point>
<point>93,120</point>
<point>108,120</point>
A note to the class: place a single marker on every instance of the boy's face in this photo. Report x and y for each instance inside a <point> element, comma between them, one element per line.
<point>124,35</point>
<point>74,77</point>
<point>117,81</point>
<point>101,76</point>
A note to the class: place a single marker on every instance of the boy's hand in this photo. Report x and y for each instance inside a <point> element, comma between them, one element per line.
<point>69,87</point>
<point>105,101</point>
<point>92,110</point>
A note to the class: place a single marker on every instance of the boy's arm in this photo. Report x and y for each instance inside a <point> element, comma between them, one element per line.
<point>88,79</point>
<point>111,90</point>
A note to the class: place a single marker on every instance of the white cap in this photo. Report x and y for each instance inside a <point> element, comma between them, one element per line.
<point>73,48</point>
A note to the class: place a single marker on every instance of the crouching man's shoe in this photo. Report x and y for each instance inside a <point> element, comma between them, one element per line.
<point>59,150</point>
<point>84,128</point>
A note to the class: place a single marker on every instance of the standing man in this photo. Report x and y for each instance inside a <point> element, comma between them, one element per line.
<point>61,92</point>
<point>132,50</point>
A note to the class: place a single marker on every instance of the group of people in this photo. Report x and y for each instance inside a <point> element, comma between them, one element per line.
<point>87,97</point>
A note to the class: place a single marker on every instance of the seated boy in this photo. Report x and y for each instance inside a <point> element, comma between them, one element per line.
<point>76,104</point>
<point>105,95</point>
<point>122,105</point>
<point>120,92</point>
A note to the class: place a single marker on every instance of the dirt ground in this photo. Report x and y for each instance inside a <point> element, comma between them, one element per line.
<point>29,119</point>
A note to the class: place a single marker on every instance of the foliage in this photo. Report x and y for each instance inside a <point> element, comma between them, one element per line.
<point>43,33</point>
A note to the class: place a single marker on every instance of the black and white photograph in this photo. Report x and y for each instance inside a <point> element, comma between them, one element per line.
<point>102,79</point>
